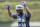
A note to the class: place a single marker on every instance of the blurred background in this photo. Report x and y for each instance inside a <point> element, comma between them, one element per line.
<point>5,19</point>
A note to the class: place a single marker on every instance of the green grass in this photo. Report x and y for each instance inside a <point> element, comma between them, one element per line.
<point>31,4</point>
<point>4,17</point>
<point>35,15</point>
<point>34,7</point>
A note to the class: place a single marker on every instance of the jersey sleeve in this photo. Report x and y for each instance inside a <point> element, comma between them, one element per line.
<point>14,16</point>
<point>28,16</point>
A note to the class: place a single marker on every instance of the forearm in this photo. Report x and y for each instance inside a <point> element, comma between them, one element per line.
<point>9,12</point>
<point>27,9</point>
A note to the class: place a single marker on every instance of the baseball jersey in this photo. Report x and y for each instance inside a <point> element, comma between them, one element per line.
<point>23,21</point>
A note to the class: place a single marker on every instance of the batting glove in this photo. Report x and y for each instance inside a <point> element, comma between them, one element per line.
<point>8,6</point>
<point>24,3</point>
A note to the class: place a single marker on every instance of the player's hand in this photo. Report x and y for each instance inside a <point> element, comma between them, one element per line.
<point>8,6</point>
<point>24,3</point>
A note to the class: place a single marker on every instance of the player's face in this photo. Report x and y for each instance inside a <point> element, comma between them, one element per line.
<point>18,11</point>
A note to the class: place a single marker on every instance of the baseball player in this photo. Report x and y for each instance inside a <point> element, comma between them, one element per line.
<point>22,17</point>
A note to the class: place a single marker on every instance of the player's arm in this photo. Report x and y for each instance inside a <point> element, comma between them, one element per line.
<point>12,15</point>
<point>27,10</point>
<point>9,12</point>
